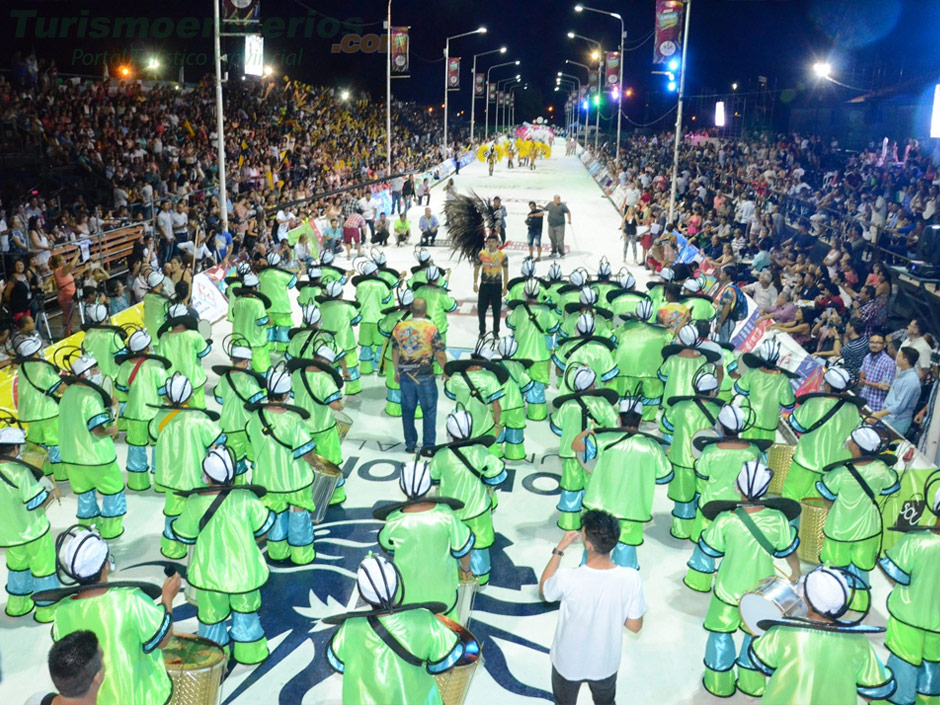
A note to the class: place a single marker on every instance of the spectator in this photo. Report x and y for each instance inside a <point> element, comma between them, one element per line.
<point>286,220</point>
<point>180,223</point>
<point>915,339</point>
<point>381,230</point>
<point>332,237</point>
<point>402,229</point>
<point>117,297</point>
<point>428,224</point>
<point>876,374</point>
<point>76,666</point>
<point>368,207</point>
<point>598,599</point>
<point>763,291</point>
<point>21,289</point>
<point>783,310</point>
<point>302,252</point>
<point>904,393</point>
<point>423,192</point>
<point>533,223</point>
<point>165,227</point>
<point>407,192</point>
<point>556,211</point>
<point>62,272</point>
<point>354,231</point>
<point>396,185</point>
<point>855,348</point>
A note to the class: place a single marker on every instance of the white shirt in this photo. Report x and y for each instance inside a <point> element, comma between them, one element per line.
<point>631,196</point>
<point>595,604</point>
<point>283,224</point>
<point>368,208</point>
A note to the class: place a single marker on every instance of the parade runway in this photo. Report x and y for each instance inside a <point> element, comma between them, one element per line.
<point>661,665</point>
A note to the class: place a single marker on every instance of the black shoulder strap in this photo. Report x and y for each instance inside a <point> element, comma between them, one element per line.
<point>303,348</point>
<point>391,642</point>
<point>755,531</point>
<point>575,348</point>
<point>3,476</point>
<point>825,417</point>
<point>306,383</point>
<point>618,441</point>
<point>861,481</point>
<point>269,431</point>
<point>534,318</point>
<point>213,508</point>
<point>49,394</point>
<point>704,409</point>
<point>585,414</point>
<point>48,698</point>
<point>474,392</point>
<point>463,459</point>
<point>231,383</point>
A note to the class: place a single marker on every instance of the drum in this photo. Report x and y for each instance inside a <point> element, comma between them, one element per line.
<point>205,328</point>
<point>466,592</point>
<point>34,454</point>
<point>326,477</point>
<point>455,683</point>
<point>196,666</point>
<point>814,511</point>
<point>705,434</point>
<point>771,598</point>
<point>343,424</point>
<point>189,592</point>
<point>779,459</point>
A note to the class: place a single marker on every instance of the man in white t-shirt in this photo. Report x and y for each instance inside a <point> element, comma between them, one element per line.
<point>284,219</point>
<point>368,207</point>
<point>598,599</point>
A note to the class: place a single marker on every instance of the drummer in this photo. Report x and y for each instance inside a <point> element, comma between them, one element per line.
<point>586,348</point>
<point>238,385</point>
<point>629,465</point>
<point>716,470</point>
<point>747,536</point>
<point>223,523</point>
<point>282,451</point>
<point>156,303</point>
<point>24,531</point>
<point>338,317</point>
<point>250,322</point>
<point>183,345</point>
<point>37,405</point>
<point>681,360</point>
<point>469,473</point>
<point>142,378</point>
<point>182,434</point>
<point>767,389</point>
<point>913,636</point>
<point>512,406</point>
<point>533,323</point>
<point>853,526</point>
<point>372,293</point>
<point>275,283</point>
<point>390,653</point>
<point>426,540</point>
<point>639,354</point>
<point>318,390</point>
<point>477,385</point>
<point>103,341</point>
<point>130,627</point>
<point>821,659</point>
<point>305,340</point>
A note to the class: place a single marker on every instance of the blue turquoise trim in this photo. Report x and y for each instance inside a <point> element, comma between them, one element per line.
<point>590,448</point>
<point>263,321</point>
<point>292,283</point>
<point>463,551</point>
<point>161,632</point>
<point>452,308</point>
<point>54,386</point>
<point>37,501</point>
<point>204,352</point>
<point>685,510</point>
<point>666,424</point>
<point>121,387</point>
<point>625,555</point>
<point>278,532</point>
<point>304,449</point>
<point>661,375</point>
<point>299,529</point>
<point>98,420</point>
<point>761,666</point>
<point>928,682</point>
<point>558,363</point>
<point>789,549</point>
<point>708,550</point>
<point>497,395</point>
<point>610,374</point>
<point>878,692</point>
<point>527,387</point>
<point>824,491</point>
<point>246,627</point>
<point>218,399</point>
<point>268,523</point>
<point>570,501</point>
<point>895,573</point>
<point>448,661</point>
<point>87,505</point>
<point>795,425</point>
<point>498,479</point>
<point>179,537</point>
<point>557,431</point>
<point>333,397</point>
<point>356,320</point>
<point>216,632</point>
<point>701,562</point>
<point>19,583</point>
<point>891,490</point>
<point>162,391</point>
<point>666,479</point>
<point>719,651</point>
<point>449,394</point>
<point>742,392</point>
<point>257,397</point>
<point>787,407</point>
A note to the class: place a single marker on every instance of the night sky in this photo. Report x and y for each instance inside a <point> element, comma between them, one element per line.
<point>731,41</point>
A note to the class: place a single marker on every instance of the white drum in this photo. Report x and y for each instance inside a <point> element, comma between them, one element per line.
<point>772,598</point>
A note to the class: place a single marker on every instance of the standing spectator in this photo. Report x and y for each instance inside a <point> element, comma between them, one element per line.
<point>368,207</point>
<point>498,212</point>
<point>416,344</point>
<point>628,225</point>
<point>904,393</point>
<point>285,221</point>
<point>730,299</point>
<point>63,272</point>
<point>39,244</point>
<point>407,192</point>
<point>878,369</point>
<point>533,224</point>
<point>428,224</point>
<point>423,192</point>
<point>598,599</point>
<point>557,211</point>
<point>402,229</point>
<point>380,237</point>
<point>354,231</point>
<point>396,185</point>
<point>76,666</point>
<point>181,223</point>
<point>915,339</point>
<point>855,347</point>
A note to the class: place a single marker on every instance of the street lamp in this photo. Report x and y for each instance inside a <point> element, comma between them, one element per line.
<point>478,30</point>
<point>623,36</point>
<point>344,95</point>
<point>577,87</point>
<point>734,86</point>
<point>587,109</point>
<point>572,85</point>
<point>473,94</point>
<point>499,112</point>
<point>507,108</point>
<point>486,128</point>
<point>822,69</point>
<point>597,55</point>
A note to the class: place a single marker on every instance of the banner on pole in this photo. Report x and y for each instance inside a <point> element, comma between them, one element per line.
<point>613,69</point>
<point>478,80</point>
<point>592,82</point>
<point>668,41</point>
<point>401,63</point>
<point>254,55</point>
<point>240,10</point>
<point>492,92</point>
<point>453,73</point>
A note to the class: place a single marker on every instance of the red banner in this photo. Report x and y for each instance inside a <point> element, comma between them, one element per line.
<point>668,40</point>
<point>613,69</point>
<point>400,57</point>
<point>478,81</point>
<point>492,89</point>
<point>453,73</point>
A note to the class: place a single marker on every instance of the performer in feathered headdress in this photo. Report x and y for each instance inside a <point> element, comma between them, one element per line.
<point>469,219</point>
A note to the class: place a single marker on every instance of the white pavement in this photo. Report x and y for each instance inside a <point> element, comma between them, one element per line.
<point>662,665</point>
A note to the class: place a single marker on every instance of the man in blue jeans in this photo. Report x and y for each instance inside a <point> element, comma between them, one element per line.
<point>416,342</point>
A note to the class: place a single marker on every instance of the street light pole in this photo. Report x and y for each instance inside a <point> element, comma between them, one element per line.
<point>623,36</point>
<point>500,113</point>
<point>600,54</point>
<point>473,94</point>
<point>587,110</point>
<point>487,97</point>
<point>388,94</point>
<point>568,83</point>
<point>675,148</point>
<point>479,30</point>
<point>219,118</point>
<point>507,110</point>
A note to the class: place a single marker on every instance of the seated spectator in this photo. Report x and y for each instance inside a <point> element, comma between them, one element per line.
<point>783,310</point>
<point>428,225</point>
<point>76,666</point>
<point>763,291</point>
<point>798,328</point>
<point>876,374</point>
<point>117,297</point>
<point>828,331</point>
<point>302,251</point>
<point>915,339</point>
<point>903,394</point>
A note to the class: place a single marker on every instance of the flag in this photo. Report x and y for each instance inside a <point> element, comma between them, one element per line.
<point>400,45</point>
<point>668,41</point>
<point>304,229</point>
<point>478,85</point>
<point>453,73</point>
<point>613,69</point>
<point>492,90</point>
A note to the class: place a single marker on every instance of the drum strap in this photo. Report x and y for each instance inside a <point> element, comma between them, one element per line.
<point>7,480</point>
<point>166,419</point>
<point>474,392</point>
<point>705,412</point>
<point>585,415</point>
<point>463,459</point>
<point>825,417</point>
<point>133,375</point>
<point>269,431</point>
<point>48,393</point>
<point>755,531</point>
<point>306,383</point>
<point>393,643</point>
<point>231,384</point>
<point>861,481</point>
<point>213,508</point>
<point>535,319</point>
